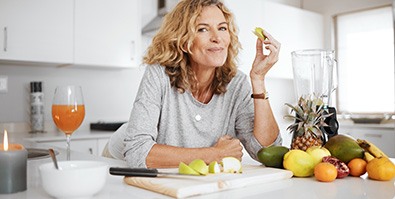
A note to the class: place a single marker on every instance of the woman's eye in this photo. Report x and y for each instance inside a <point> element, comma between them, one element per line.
<point>223,28</point>
<point>202,29</point>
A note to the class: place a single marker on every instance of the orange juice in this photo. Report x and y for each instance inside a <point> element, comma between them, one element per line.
<point>68,117</point>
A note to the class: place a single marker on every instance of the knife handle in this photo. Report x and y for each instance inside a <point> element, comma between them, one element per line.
<point>135,172</point>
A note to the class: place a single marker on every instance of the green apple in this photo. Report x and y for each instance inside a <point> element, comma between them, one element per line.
<point>200,166</point>
<point>259,33</point>
<point>185,169</point>
<point>231,165</point>
<point>213,167</point>
<point>318,152</point>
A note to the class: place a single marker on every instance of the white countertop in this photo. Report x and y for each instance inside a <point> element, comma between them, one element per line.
<point>349,187</point>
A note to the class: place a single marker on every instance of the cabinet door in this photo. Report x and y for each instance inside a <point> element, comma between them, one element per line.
<point>36,30</point>
<point>107,33</point>
<point>83,146</point>
<point>294,28</point>
<point>101,144</point>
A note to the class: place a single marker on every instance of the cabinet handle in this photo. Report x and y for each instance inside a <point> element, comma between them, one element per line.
<point>374,135</point>
<point>5,39</point>
<point>90,150</point>
<point>132,50</point>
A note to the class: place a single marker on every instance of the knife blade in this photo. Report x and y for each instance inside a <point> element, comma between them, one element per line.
<point>142,172</point>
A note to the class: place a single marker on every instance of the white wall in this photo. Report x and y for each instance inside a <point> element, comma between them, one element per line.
<point>109,94</point>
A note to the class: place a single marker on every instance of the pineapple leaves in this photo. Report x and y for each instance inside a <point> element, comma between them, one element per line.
<point>309,115</point>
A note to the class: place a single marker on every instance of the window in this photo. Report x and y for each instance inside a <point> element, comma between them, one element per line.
<point>365,52</point>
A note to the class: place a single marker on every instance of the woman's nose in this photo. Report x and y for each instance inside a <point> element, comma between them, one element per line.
<point>215,37</point>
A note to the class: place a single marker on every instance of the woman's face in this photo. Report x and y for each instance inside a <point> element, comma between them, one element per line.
<point>210,46</point>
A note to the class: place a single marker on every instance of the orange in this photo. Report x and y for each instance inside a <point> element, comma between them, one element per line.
<point>381,169</point>
<point>357,167</point>
<point>325,172</point>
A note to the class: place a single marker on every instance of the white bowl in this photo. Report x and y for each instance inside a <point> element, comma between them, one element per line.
<point>76,179</point>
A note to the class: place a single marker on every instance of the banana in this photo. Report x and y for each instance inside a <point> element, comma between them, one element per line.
<point>368,157</point>
<point>371,148</point>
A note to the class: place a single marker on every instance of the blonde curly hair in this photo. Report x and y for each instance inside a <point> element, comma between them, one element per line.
<point>172,43</point>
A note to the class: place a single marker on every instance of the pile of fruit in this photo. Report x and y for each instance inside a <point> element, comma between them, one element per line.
<point>199,167</point>
<point>341,156</point>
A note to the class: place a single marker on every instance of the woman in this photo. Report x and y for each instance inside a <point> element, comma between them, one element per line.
<point>192,101</point>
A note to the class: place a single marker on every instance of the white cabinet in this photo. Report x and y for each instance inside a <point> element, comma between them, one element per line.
<point>294,28</point>
<point>89,146</point>
<point>101,33</point>
<point>107,33</point>
<point>36,31</point>
<point>383,138</point>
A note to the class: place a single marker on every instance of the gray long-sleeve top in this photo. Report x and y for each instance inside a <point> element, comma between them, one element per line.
<point>162,115</point>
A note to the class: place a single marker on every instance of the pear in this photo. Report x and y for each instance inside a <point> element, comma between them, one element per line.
<point>318,152</point>
<point>259,33</point>
<point>213,167</point>
<point>200,166</point>
<point>231,165</point>
<point>185,169</point>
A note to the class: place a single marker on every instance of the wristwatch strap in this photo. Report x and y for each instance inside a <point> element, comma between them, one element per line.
<point>260,96</point>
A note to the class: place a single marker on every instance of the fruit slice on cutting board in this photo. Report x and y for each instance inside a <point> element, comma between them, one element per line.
<point>200,166</point>
<point>185,169</point>
<point>231,165</point>
<point>214,167</point>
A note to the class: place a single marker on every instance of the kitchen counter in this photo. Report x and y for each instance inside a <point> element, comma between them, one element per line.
<point>349,187</point>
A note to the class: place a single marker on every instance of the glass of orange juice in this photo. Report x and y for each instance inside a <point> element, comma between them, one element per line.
<point>68,110</point>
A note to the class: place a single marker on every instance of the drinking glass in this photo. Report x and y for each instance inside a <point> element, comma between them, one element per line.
<point>68,110</point>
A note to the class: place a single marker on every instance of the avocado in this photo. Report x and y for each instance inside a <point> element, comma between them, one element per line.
<point>272,156</point>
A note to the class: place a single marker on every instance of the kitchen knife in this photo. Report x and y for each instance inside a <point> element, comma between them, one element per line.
<point>142,172</point>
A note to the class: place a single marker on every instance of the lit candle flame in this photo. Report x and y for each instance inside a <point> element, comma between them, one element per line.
<point>5,141</point>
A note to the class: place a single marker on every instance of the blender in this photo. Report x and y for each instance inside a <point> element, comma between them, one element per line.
<point>314,72</point>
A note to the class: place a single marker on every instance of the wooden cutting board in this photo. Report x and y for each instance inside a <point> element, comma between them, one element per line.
<point>185,186</point>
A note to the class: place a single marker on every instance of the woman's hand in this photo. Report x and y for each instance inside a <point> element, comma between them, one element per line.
<point>263,63</point>
<point>228,146</point>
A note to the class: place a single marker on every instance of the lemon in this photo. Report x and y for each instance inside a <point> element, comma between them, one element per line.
<point>299,162</point>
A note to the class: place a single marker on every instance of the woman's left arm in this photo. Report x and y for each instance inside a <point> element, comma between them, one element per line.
<point>266,129</point>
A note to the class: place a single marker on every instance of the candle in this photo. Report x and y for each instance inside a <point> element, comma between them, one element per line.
<point>13,161</point>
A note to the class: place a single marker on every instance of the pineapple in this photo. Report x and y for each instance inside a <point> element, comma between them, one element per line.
<point>309,117</point>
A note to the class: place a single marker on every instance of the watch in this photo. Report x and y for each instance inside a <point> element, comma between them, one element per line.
<point>264,95</point>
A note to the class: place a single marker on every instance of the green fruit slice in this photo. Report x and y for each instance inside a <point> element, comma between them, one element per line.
<point>200,166</point>
<point>259,33</point>
<point>213,167</point>
<point>185,169</point>
<point>231,165</point>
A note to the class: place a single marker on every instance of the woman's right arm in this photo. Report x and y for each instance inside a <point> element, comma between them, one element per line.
<point>165,156</point>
